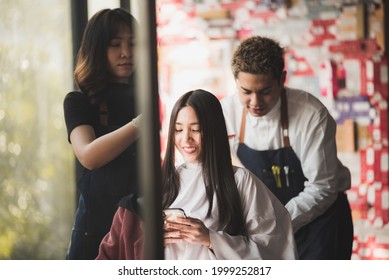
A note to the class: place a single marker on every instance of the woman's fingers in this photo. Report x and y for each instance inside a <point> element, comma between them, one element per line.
<point>186,229</point>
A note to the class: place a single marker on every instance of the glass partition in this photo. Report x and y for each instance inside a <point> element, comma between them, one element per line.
<point>37,184</point>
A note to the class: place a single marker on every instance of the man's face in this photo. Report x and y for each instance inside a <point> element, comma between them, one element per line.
<point>259,93</point>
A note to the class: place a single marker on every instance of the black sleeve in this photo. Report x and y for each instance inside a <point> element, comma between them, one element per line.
<point>132,203</point>
<point>77,111</point>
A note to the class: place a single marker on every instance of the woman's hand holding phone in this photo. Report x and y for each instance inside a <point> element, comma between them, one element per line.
<point>172,216</point>
<point>178,227</point>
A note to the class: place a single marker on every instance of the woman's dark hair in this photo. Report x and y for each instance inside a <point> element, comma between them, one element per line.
<point>215,158</point>
<point>91,73</point>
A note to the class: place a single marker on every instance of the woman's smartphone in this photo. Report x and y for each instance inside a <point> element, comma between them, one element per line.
<point>171,214</point>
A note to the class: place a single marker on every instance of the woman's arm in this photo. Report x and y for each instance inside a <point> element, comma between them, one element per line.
<point>95,152</point>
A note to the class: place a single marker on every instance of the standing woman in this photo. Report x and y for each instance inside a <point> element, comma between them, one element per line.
<point>102,126</point>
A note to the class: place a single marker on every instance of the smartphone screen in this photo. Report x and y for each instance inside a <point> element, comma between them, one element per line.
<point>170,214</point>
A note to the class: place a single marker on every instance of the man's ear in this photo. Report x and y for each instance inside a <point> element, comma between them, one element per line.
<point>283,78</point>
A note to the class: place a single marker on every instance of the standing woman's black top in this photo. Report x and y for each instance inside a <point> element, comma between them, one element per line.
<point>101,189</point>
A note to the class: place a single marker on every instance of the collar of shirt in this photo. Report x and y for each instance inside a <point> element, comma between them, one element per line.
<point>195,165</point>
<point>273,115</point>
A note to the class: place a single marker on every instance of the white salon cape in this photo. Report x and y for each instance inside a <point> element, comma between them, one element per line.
<point>312,137</point>
<point>267,220</point>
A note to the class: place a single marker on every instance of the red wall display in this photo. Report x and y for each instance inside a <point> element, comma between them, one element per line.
<point>334,52</point>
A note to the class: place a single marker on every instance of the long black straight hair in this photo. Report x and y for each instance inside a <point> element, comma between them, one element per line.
<point>215,157</point>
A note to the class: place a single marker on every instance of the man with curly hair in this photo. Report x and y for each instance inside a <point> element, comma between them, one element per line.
<point>287,138</point>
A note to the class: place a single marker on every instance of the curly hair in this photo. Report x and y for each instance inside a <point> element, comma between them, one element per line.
<point>258,55</point>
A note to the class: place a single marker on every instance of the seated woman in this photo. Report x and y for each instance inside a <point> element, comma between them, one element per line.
<point>231,214</point>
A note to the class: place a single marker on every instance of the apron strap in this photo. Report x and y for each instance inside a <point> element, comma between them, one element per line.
<point>242,126</point>
<point>284,121</point>
<point>103,113</point>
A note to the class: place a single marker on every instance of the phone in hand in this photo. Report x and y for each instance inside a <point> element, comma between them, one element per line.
<point>171,214</point>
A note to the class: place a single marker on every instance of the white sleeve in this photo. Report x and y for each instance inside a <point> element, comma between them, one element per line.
<point>326,175</point>
<point>232,118</point>
<point>268,225</point>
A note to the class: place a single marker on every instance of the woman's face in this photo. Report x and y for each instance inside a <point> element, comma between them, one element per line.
<point>188,135</point>
<point>120,56</point>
